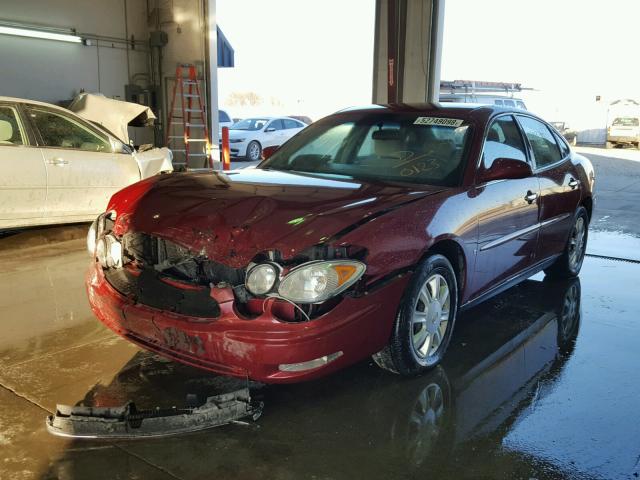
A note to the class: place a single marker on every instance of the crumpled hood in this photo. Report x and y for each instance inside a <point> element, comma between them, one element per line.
<point>115,115</point>
<point>232,217</point>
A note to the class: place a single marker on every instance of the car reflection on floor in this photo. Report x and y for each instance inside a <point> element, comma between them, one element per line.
<point>505,356</point>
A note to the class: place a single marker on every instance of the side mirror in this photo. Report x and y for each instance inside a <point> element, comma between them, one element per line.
<point>506,169</point>
<point>119,147</point>
<point>269,130</point>
<point>268,151</point>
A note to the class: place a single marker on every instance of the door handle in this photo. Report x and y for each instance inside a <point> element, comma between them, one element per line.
<point>58,161</point>
<point>530,197</point>
<point>573,183</point>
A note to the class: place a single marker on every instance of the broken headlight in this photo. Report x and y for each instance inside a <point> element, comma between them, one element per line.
<point>109,252</point>
<point>315,282</point>
<point>92,237</point>
<point>102,245</point>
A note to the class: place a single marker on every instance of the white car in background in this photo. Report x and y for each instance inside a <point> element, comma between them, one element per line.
<point>248,137</point>
<point>57,167</point>
<point>224,120</point>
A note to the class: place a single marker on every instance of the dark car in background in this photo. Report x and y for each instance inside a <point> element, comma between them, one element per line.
<point>362,235</point>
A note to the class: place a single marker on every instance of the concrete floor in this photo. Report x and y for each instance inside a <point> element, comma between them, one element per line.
<point>540,382</point>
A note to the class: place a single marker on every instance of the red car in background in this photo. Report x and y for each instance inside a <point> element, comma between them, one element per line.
<point>363,235</point>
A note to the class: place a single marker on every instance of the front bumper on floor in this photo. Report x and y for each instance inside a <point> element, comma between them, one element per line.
<point>257,347</point>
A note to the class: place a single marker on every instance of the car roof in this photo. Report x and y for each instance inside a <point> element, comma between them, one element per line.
<point>466,110</point>
<point>32,102</point>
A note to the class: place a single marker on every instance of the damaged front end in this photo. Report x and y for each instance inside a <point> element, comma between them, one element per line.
<point>128,422</point>
<point>162,274</point>
<point>274,319</point>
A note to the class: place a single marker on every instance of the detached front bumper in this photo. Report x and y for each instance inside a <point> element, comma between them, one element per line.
<point>256,348</point>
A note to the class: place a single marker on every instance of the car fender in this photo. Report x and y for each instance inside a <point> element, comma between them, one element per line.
<point>587,177</point>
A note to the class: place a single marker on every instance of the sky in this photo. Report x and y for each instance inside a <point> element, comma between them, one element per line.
<point>314,57</point>
<point>317,57</point>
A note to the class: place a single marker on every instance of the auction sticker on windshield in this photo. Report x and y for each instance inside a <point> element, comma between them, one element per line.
<point>443,122</point>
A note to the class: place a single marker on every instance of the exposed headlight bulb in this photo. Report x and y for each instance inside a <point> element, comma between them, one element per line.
<point>262,278</point>
<point>113,251</point>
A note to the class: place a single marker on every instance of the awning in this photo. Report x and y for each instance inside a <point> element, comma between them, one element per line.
<point>225,51</point>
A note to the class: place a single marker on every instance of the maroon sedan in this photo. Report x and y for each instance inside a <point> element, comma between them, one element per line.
<point>363,235</point>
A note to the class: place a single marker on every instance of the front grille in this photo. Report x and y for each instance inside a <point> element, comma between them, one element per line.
<point>164,275</point>
<point>177,262</point>
<point>147,288</point>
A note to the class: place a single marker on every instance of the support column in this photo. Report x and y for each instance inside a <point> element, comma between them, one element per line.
<point>211,63</point>
<point>407,51</point>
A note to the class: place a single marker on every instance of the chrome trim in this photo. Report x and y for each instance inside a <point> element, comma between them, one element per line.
<point>555,219</point>
<point>509,237</point>
<point>524,231</point>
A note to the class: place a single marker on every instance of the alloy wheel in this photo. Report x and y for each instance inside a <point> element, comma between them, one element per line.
<point>577,243</point>
<point>431,316</point>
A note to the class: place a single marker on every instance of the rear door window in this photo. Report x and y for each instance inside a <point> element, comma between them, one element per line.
<point>564,148</point>
<point>11,132</point>
<point>291,124</point>
<point>276,124</point>
<point>503,141</point>
<point>544,146</point>
<point>58,130</point>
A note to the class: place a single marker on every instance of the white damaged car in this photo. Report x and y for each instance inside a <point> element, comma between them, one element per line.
<point>57,166</point>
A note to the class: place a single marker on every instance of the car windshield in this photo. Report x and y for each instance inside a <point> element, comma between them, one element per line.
<point>250,124</point>
<point>389,147</point>
<point>625,122</point>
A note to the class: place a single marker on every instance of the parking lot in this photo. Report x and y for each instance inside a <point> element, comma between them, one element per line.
<point>539,382</point>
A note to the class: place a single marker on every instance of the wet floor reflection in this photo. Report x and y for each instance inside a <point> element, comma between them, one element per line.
<point>505,357</point>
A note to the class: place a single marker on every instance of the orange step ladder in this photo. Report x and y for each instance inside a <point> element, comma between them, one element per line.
<point>187,130</point>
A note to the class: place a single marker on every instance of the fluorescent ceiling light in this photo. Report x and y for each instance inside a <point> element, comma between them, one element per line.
<point>27,32</point>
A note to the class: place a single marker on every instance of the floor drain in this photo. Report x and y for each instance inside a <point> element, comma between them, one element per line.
<point>615,259</point>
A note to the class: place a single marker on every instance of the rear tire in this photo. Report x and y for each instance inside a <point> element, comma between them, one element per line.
<point>609,145</point>
<point>425,320</point>
<point>570,262</point>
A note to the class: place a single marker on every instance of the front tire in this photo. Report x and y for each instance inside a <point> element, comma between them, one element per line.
<point>253,151</point>
<point>425,320</point>
<point>570,262</point>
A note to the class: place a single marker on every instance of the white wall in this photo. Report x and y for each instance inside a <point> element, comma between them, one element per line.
<point>55,71</point>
